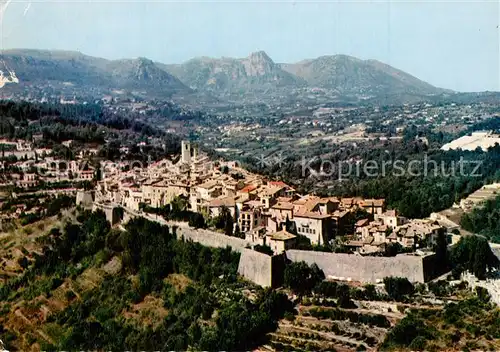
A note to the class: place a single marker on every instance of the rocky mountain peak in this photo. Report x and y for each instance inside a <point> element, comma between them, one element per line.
<point>258,64</point>
<point>260,56</point>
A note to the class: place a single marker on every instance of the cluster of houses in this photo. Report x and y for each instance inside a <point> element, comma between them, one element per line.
<point>31,173</point>
<point>389,227</point>
<point>267,212</point>
<point>35,166</point>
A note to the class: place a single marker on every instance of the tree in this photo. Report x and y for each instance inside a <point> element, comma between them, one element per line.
<point>344,294</point>
<point>290,226</point>
<point>197,220</point>
<point>237,232</point>
<point>275,304</point>
<point>301,278</point>
<point>228,228</point>
<point>392,249</point>
<point>178,205</point>
<point>411,328</point>
<point>225,221</point>
<point>398,287</point>
<point>474,254</point>
<point>441,249</point>
<point>371,292</point>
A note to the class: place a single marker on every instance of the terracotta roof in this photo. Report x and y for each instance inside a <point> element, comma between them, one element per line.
<point>361,223</point>
<point>278,183</point>
<point>283,235</point>
<point>253,204</point>
<point>382,228</point>
<point>390,213</point>
<point>372,202</point>
<point>340,214</point>
<point>283,206</point>
<point>311,204</point>
<point>150,182</point>
<point>219,202</point>
<point>248,189</point>
<point>270,191</point>
<point>368,240</point>
<point>162,183</point>
<point>411,232</point>
<point>392,236</point>
<point>311,215</point>
<point>208,184</point>
<point>300,201</point>
<point>347,201</point>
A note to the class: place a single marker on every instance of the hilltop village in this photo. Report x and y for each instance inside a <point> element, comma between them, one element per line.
<point>263,212</point>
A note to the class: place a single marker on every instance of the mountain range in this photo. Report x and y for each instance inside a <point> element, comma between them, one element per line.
<point>341,74</point>
<point>38,67</point>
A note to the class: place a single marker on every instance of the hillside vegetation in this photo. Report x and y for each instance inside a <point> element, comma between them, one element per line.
<point>94,287</point>
<point>484,220</point>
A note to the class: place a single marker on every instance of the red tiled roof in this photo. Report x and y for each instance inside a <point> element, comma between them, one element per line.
<point>278,183</point>
<point>361,223</point>
<point>283,206</point>
<point>311,215</point>
<point>248,189</point>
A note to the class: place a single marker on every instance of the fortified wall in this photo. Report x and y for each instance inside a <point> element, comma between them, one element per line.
<point>211,238</point>
<point>85,198</point>
<point>268,271</point>
<point>262,269</point>
<point>366,269</point>
<point>113,214</point>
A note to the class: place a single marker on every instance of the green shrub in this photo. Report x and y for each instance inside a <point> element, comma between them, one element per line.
<point>398,287</point>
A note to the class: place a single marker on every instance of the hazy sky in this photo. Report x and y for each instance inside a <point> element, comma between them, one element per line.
<point>451,44</point>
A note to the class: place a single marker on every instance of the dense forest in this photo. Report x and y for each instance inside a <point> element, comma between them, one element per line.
<point>90,123</point>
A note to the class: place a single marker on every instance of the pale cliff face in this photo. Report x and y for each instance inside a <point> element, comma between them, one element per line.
<point>7,75</point>
<point>258,64</point>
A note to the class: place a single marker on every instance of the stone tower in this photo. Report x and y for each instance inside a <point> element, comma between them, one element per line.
<point>186,152</point>
<point>189,152</point>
